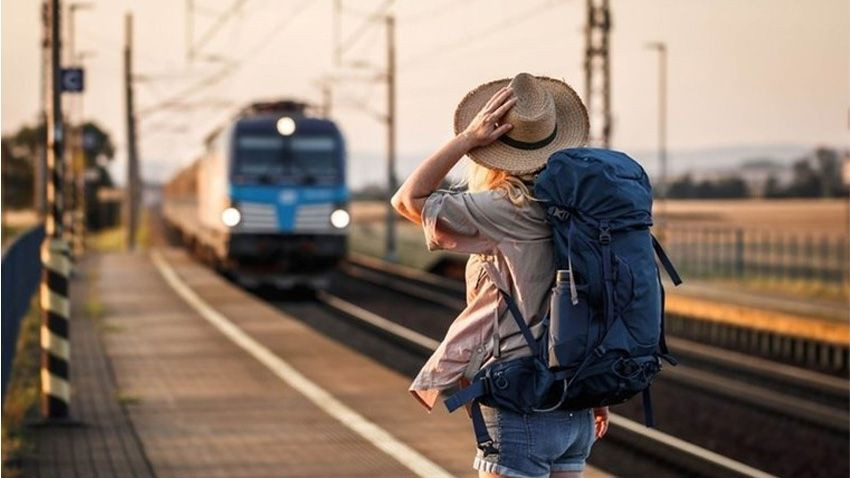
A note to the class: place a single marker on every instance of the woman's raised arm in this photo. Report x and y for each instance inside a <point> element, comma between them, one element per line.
<point>483,130</point>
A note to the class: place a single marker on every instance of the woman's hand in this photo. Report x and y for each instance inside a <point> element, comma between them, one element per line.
<point>600,419</point>
<point>485,127</point>
<point>483,130</point>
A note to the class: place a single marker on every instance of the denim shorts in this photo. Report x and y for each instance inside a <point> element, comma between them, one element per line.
<point>536,444</point>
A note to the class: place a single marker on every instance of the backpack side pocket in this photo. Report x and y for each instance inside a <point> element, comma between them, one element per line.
<point>571,328</point>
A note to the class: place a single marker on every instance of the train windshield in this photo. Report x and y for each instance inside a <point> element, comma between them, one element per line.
<point>271,158</point>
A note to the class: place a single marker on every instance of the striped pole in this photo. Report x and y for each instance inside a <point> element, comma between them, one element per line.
<point>56,312</point>
<point>55,259</point>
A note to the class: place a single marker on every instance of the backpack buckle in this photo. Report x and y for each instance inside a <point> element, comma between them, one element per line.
<point>559,213</point>
<point>604,234</point>
<point>488,448</point>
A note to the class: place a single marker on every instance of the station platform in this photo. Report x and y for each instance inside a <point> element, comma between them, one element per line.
<point>203,379</point>
<point>729,293</point>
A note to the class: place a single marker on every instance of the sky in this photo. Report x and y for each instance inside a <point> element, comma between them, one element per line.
<point>758,77</point>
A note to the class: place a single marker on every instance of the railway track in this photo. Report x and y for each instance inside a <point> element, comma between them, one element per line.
<point>719,399</point>
<point>669,454</point>
<point>789,390</point>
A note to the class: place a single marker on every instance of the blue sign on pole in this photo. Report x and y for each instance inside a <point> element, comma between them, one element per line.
<point>72,80</point>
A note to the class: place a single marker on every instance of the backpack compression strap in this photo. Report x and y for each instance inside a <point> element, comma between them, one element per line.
<point>482,436</point>
<point>674,276</point>
<point>607,273</point>
<point>662,340</point>
<point>665,261</point>
<point>648,417</point>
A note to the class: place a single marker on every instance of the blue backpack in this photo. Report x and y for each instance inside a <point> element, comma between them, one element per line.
<point>605,330</point>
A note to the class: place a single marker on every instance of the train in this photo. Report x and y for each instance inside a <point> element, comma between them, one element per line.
<point>267,201</point>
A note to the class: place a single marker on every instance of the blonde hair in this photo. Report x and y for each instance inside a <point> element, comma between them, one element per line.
<point>481,178</point>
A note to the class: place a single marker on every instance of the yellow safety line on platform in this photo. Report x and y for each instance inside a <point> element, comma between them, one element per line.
<point>380,438</point>
<point>769,321</point>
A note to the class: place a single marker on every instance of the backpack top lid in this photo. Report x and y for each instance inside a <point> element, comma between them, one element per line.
<point>601,184</point>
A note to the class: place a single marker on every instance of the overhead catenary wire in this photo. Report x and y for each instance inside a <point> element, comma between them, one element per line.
<point>434,10</point>
<point>354,37</point>
<point>221,74</point>
<point>418,60</point>
<point>172,106</point>
<point>217,25</point>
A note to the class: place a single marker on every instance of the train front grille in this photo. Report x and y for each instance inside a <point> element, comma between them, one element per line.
<point>258,217</point>
<point>313,218</point>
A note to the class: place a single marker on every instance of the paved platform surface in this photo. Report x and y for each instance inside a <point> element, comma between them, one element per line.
<point>103,443</point>
<point>186,400</point>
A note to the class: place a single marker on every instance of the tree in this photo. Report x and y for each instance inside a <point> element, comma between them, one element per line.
<point>23,149</point>
<point>682,188</point>
<point>97,144</point>
<point>20,151</point>
<point>731,187</point>
<point>817,175</point>
<point>829,169</point>
<point>772,188</point>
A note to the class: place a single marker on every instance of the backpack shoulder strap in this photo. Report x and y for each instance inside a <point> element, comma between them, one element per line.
<point>512,307</point>
<point>662,340</point>
<point>520,322</point>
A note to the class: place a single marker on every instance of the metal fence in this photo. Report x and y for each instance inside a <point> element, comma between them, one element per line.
<point>741,253</point>
<point>20,270</point>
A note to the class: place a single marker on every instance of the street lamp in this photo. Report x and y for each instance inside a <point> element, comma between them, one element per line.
<point>661,48</point>
<point>76,162</point>
<point>72,9</point>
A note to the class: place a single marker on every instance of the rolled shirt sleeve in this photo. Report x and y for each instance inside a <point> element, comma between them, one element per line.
<point>458,221</point>
<point>471,222</point>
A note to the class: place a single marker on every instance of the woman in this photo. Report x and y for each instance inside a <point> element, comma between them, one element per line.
<point>509,128</point>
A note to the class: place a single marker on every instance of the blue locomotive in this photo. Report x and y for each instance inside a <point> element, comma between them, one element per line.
<point>267,199</point>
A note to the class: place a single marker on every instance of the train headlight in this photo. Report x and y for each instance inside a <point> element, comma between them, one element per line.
<point>340,218</point>
<point>231,217</point>
<point>286,126</point>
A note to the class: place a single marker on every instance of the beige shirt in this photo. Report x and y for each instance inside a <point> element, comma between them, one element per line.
<point>511,248</point>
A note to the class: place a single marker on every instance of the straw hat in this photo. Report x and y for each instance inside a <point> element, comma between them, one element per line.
<point>548,116</point>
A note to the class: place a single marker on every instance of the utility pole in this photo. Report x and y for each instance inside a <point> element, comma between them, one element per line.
<point>597,97</point>
<point>56,265</point>
<point>327,99</point>
<point>391,250</point>
<point>337,25</point>
<point>40,176</point>
<point>132,198</point>
<point>70,144</point>
<point>190,31</point>
<point>76,162</point>
<point>661,48</point>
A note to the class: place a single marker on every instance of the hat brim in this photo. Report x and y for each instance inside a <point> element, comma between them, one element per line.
<point>571,120</point>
